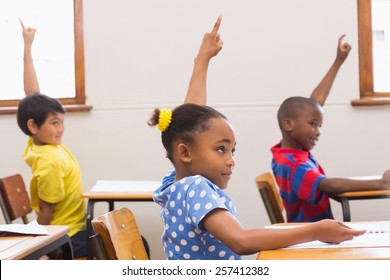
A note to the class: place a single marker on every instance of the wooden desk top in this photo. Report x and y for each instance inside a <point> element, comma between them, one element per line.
<point>365,194</point>
<point>344,253</point>
<point>122,190</point>
<point>379,253</point>
<point>18,247</point>
<point>118,196</point>
<point>374,193</point>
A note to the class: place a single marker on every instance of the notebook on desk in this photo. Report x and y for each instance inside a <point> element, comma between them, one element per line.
<point>32,228</point>
<point>377,235</point>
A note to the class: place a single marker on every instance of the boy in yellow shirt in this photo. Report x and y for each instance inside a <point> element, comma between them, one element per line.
<point>56,185</point>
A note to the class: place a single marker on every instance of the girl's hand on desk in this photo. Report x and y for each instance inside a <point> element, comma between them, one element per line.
<point>335,232</point>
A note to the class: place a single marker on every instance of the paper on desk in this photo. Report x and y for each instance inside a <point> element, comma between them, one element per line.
<point>377,235</point>
<point>125,186</point>
<point>32,228</point>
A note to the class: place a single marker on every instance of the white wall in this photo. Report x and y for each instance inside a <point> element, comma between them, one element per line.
<point>139,55</point>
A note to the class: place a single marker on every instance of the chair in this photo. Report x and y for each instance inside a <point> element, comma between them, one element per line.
<point>119,236</point>
<point>271,198</point>
<point>14,199</point>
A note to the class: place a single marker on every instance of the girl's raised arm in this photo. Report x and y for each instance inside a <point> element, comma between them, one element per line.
<point>210,47</point>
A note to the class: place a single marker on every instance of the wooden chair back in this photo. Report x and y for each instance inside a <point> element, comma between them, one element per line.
<point>14,199</point>
<point>269,192</point>
<point>120,235</point>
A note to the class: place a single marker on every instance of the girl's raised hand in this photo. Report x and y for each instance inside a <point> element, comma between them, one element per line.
<point>212,42</point>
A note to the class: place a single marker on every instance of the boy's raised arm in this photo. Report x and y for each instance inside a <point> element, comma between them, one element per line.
<point>210,47</point>
<point>321,92</point>
<point>30,80</point>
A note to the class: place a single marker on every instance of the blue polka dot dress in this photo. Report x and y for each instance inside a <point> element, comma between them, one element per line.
<point>184,204</point>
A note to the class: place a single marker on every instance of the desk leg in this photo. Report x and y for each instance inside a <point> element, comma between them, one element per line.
<point>90,232</point>
<point>346,210</point>
<point>110,205</point>
<point>67,250</point>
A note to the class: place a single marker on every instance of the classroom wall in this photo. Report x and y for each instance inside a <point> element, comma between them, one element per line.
<point>139,55</point>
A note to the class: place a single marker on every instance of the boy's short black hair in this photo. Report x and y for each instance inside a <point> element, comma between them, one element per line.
<point>37,107</point>
<point>293,107</point>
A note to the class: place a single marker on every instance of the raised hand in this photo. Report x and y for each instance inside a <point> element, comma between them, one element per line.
<point>210,47</point>
<point>30,80</point>
<point>212,42</point>
<point>343,49</point>
<point>322,90</point>
<point>28,34</point>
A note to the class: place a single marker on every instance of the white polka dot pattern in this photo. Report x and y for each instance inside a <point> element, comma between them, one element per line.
<point>184,204</point>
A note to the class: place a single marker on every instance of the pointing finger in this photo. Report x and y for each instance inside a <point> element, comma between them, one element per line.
<point>216,26</point>
<point>21,23</point>
<point>341,38</point>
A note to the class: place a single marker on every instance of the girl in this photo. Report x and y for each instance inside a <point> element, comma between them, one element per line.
<point>199,217</point>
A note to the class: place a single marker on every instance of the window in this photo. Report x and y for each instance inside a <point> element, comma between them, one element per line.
<point>58,51</point>
<point>374,52</point>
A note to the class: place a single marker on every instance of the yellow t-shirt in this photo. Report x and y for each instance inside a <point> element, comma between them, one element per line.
<point>56,179</point>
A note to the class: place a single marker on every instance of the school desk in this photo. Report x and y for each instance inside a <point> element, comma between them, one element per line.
<point>374,245</point>
<point>345,197</point>
<point>112,191</point>
<point>27,247</point>
<point>382,253</point>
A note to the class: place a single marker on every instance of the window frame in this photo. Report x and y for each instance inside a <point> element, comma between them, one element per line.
<point>368,96</point>
<point>76,103</point>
